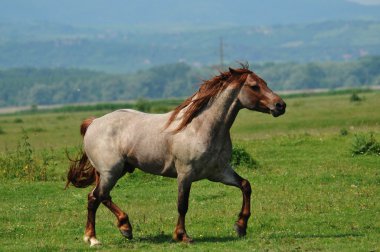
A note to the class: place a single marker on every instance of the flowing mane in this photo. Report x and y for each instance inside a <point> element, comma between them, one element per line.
<point>208,90</point>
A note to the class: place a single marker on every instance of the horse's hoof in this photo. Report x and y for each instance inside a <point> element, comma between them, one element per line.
<point>187,239</point>
<point>182,238</point>
<point>240,231</point>
<point>92,240</point>
<point>127,233</point>
<point>86,239</point>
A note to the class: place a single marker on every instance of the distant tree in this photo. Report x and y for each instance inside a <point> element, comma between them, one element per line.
<point>26,86</point>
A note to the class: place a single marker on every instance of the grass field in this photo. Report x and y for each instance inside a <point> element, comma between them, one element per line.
<point>309,192</point>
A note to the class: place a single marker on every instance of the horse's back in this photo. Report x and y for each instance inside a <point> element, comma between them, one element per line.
<point>129,136</point>
<point>126,119</point>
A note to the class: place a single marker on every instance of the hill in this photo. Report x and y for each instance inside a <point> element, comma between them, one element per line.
<point>46,45</point>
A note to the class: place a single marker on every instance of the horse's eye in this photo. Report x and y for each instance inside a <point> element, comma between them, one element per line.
<point>255,88</point>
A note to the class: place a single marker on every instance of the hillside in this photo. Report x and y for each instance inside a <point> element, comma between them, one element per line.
<point>45,45</point>
<point>27,86</point>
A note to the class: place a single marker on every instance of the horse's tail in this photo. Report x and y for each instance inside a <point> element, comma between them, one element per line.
<point>85,124</point>
<point>81,172</point>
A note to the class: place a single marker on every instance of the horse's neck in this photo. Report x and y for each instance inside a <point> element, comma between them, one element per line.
<point>221,113</point>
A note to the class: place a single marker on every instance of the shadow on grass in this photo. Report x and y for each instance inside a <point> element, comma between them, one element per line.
<point>301,236</point>
<point>165,238</point>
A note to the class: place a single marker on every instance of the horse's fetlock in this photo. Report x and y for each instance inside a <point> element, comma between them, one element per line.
<point>124,220</point>
<point>241,229</point>
<point>244,216</point>
<point>179,234</point>
<point>126,231</point>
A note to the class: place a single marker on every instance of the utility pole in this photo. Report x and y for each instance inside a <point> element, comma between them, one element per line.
<point>221,52</point>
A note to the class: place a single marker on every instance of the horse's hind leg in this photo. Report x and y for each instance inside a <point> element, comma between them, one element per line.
<point>101,194</point>
<point>123,223</point>
<point>107,182</point>
<point>92,206</point>
<point>122,218</point>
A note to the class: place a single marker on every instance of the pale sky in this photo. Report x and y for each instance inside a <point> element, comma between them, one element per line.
<point>366,2</point>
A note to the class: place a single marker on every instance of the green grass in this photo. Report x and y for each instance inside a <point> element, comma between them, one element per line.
<point>309,192</point>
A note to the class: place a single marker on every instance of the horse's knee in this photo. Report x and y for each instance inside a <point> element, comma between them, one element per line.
<point>123,220</point>
<point>246,187</point>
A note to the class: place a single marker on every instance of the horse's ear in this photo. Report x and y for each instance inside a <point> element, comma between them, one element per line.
<point>233,72</point>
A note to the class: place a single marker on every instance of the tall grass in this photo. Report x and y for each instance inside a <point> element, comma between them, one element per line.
<point>364,144</point>
<point>23,164</point>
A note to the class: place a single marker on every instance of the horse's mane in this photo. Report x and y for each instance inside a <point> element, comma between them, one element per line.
<point>208,90</point>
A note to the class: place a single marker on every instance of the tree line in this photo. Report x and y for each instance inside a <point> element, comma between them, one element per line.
<point>33,86</point>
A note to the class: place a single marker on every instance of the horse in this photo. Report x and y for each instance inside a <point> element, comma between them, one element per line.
<point>190,143</point>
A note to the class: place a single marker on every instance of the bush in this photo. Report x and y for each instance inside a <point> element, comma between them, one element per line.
<point>355,97</point>
<point>34,108</point>
<point>343,132</point>
<point>143,105</point>
<point>365,145</point>
<point>2,131</point>
<point>22,163</point>
<point>240,157</point>
<point>18,120</point>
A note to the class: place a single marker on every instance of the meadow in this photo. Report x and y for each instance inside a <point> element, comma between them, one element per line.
<point>309,192</point>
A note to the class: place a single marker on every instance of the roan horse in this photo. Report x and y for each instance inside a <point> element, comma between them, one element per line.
<point>190,143</point>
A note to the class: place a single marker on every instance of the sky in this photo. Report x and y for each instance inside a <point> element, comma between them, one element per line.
<point>366,2</point>
<point>112,13</point>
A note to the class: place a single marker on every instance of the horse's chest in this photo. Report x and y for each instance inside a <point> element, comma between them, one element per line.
<point>203,156</point>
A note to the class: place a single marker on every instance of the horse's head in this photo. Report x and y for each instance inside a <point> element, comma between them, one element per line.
<point>256,95</point>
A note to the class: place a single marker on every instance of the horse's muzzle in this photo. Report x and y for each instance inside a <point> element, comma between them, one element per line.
<point>279,109</point>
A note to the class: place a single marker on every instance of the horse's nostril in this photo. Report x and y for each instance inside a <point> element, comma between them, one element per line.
<point>280,106</point>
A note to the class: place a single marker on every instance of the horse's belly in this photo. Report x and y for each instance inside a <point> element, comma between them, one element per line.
<point>154,163</point>
<point>166,172</point>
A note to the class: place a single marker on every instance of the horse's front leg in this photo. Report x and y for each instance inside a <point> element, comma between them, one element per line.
<point>184,185</point>
<point>230,177</point>
<point>245,212</point>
